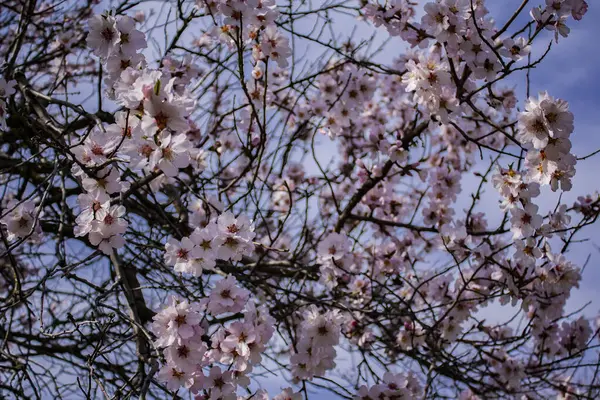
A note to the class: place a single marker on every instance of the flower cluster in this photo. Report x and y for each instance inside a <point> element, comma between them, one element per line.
<point>114,37</point>
<point>546,300</point>
<point>21,220</point>
<point>554,16</point>
<point>587,205</point>
<point>179,332</point>
<point>250,25</point>
<point>342,92</point>
<point>445,185</point>
<point>226,297</point>
<point>226,238</point>
<point>429,79</point>
<point>574,335</point>
<point>466,34</point>
<point>393,386</point>
<point>550,275</point>
<point>254,22</point>
<point>149,135</point>
<point>102,221</point>
<point>208,361</point>
<point>334,255</point>
<point>506,370</point>
<point>314,352</point>
<point>546,125</point>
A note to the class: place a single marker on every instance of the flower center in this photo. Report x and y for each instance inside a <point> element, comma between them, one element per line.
<point>107,34</point>
<point>161,120</point>
<point>109,219</point>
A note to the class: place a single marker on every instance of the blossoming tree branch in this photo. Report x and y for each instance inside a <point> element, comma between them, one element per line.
<point>234,199</point>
